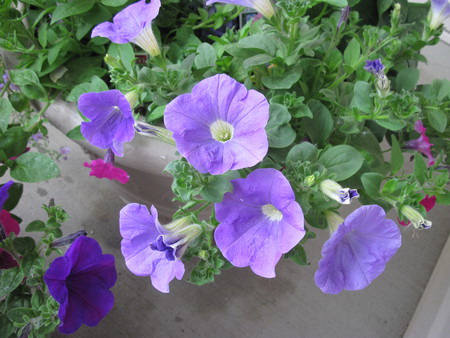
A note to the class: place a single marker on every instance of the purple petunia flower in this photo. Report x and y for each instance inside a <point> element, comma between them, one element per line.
<point>259,221</point>
<point>422,144</point>
<point>220,125</point>
<point>151,249</point>
<point>336,192</point>
<point>375,67</point>
<point>80,281</point>
<point>439,12</point>
<point>133,24</point>
<point>357,252</point>
<point>264,7</point>
<point>111,122</point>
<point>4,195</point>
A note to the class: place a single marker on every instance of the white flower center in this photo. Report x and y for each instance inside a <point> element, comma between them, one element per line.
<point>221,131</point>
<point>271,212</point>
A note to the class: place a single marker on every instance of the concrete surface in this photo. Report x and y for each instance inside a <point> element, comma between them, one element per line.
<point>241,304</point>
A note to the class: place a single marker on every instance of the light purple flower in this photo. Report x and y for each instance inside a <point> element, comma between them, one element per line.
<point>111,122</point>
<point>264,7</point>
<point>80,282</point>
<point>151,249</point>
<point>422,144</point>
<point>133,24</point>
<point>375,67</point>
<point>259,221</point>
<point>220,125</point>
<point>439,11</point>
<point>38,136</point>
<point>357,252</point>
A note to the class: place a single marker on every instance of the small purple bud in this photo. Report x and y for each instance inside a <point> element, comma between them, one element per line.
<point>375,67</point>
<point>344,16</point>
<point>109,157</point>
<point>38,136</point>
<point>69,239</point>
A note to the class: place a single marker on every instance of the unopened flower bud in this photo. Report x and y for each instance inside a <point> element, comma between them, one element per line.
<point>132,97</point>
<point>336,192</point>
<point>203,254</point>
<point>113,62</point>
<point>395,16</point>
<point>66,240</point>
<point>333,220</point>
<point>309,180</point>
<point>383,85</point>
<point>415,217</point>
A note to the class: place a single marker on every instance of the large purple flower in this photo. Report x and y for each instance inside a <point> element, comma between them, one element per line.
<point>220,125</point>
<point>133,24</point>
<point>439,11</point>
<point>151,249</point>
<point>357,252</point>
<point>80,281</point>
<point>264,7</point>
<point>111,117</point>
<point>259,221</point>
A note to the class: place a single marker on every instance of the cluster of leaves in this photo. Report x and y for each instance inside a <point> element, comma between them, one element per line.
<point>26,308</point>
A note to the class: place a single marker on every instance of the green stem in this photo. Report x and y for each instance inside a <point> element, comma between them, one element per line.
<point>44,12</point>
<point>199,210</point>
<point>5,88</point>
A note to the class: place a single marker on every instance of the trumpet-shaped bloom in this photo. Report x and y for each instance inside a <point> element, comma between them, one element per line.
<point>264,7</point>
<point>133,24</point>
<point>80,281</point>
<point>106,169</point>
<point>422,144</point>
<point>259,221</point>
<point>335,191</point>
<point>439,11</point>
<point>151,249</point>
<point>111,118</point>
<point>220,125</point>
<point>357,252</point>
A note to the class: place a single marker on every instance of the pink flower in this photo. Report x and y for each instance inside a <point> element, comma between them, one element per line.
<point>422,144</point>
<point>9,225</point>
<point>102,169</point>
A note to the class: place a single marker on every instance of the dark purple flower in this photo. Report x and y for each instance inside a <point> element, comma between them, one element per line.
<point>80,281</point>
<point>111,122</point>
<point>439,12</point>
<point>374,66</point>
<point>151,249</point>
<point>259,221</point>
<point>422,144</point>
<point>357,252</point>
<point>133,24</point>
<point>4,195</point>
<point>264,7</point>
<point>220,125</point>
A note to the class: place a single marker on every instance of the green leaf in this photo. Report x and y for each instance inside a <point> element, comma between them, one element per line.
<point>300,110</point>
<point>284,81</point>
<point>10,279</point>
<point>35,226</point>
<point>75,134</point>
<point>437,119</point>
<point>352,52</point>
<point>14,141</point>
<point>218,185</point>
<point>372,183</point>
<point>123,52</point>
<point>407,79</point>
<point>383,6</point>
<point>396,156</point>
<point>297,255</point>
<point>5,114</point>
<point>24,245</point>
<point>256,60</point>
<point>420,168</point>
<point>15,192</point>
<point>29,83</point>
<point>279,132</point>
<point>394,125</point>
<point>206,56</point>
<point>318,128</point>
<point>337,3</point>
<point>361,98</point>
<point>21,315</point>
<point>302,152</point>
<point>34,167</point>
<point>343,160</point>
<point>114,3</point>
<point>71,8</point>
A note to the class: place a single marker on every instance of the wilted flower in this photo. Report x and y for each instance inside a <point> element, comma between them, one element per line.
<point>105,168</point>
<point>64,151</point>
<point>151,249</point>
<point>111,117</point>
<point>80,281</point>
<point>335,191</point>
<point>264,7</point>
<point>422,144</point>
<point>220,125</point>
<point>357,252</point>
<point>415,217</point>
<point>66,240</point>
<point>259,221</point>
<point>439,11</point>
<point>133,24</point>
